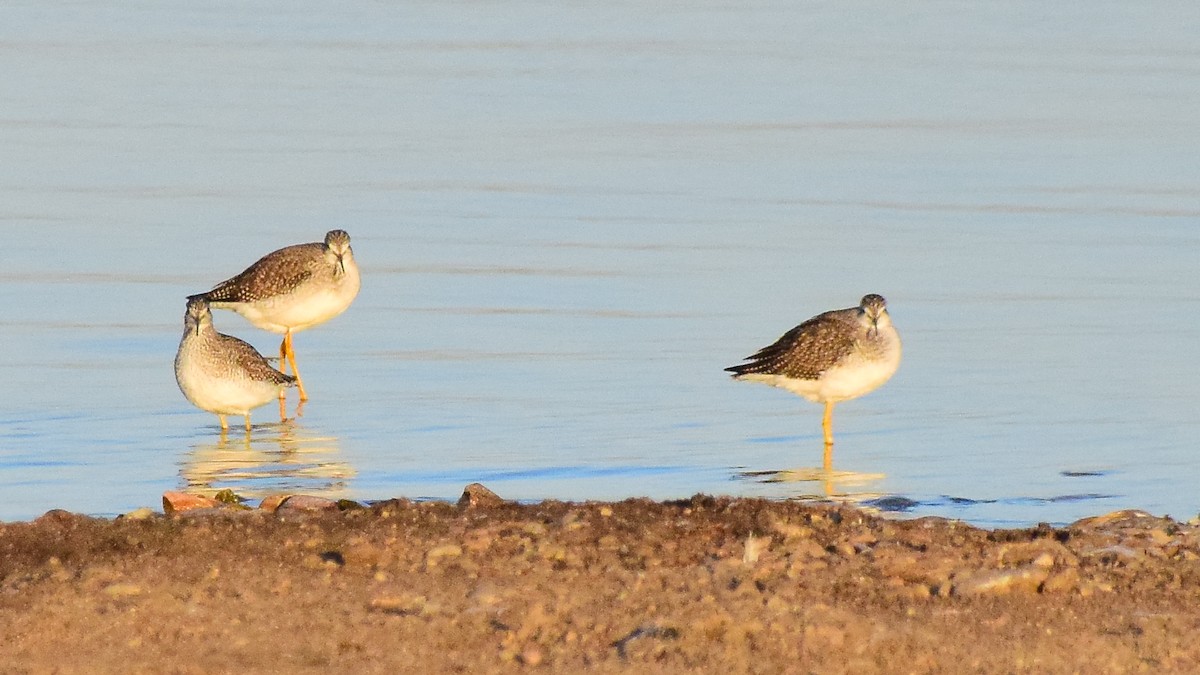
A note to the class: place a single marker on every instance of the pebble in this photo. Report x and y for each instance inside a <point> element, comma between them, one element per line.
<point>306,503</point>
<point>1020,553</point>
<point>57,516</point>
<point>177,502</point>
<point>404,605</point>
<point>1113,554</point>
<point>144,513</point>
<point>1128,517</point>
<point>434,555</point>
<point>994,582</point>
<point>272,502</point>
<point>477,496</point>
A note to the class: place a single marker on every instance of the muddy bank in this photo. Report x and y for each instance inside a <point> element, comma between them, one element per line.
<point>703,585</point>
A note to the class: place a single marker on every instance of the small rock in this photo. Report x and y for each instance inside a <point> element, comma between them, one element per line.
<point>1022,553</point>
<point>436,554</point>
<point>893,504</point>
<point>228,496</point>
<point>404,605</point>
<point>144,513</point>
<point>1118,518</point>
<point>177,502</point>
<point>994,582</point>
<point>477,496</point>
<point>57,517</point>
<point>272,502</point>
<point>201,513</point>
<point>1114,554</point>
<point>306,503</point>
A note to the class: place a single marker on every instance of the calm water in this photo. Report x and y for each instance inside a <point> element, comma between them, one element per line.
<point>571,218</point>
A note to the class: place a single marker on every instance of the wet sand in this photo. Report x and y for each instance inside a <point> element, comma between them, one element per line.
<point>702,585</point>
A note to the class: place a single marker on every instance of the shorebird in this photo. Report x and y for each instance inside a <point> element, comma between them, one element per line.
<point>220,373</point>
<point>835,356</point>
<point>292,289</point>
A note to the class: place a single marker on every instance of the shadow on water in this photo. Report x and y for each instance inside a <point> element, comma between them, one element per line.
<point>274,458</point>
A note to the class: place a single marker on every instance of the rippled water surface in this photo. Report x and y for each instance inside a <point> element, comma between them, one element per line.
<point>571,218</point>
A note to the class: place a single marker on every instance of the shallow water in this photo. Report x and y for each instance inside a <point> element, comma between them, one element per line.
<point>570,219</point>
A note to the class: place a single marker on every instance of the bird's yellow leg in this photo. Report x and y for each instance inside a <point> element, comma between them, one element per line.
<point>827,426</point>
<point>283,368</point>
<point>283,347</point>
<point>224,424</point>
<point>291,354</point>
<point>247,424</point>
<point>282,406</point>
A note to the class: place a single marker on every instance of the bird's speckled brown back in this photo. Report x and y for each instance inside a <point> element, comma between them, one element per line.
<point>808,350</point>
<point>277,273</point>
<point>242,355</point>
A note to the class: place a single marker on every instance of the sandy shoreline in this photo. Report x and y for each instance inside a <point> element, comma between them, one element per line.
<point>700,585</point>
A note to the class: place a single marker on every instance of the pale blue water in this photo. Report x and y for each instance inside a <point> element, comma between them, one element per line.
<point>571,218</point>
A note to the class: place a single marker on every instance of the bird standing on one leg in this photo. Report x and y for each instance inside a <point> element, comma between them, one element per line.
<point>220,373</point>
<point>292,289</point>
<point>834,356</point>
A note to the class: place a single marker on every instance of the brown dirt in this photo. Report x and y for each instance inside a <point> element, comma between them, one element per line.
<point>704,585</point>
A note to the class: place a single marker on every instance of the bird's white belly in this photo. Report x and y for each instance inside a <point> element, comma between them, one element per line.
<point>840,383</point>
<point>221,395</point>
<point>844,383</point>
<point>299,311</point>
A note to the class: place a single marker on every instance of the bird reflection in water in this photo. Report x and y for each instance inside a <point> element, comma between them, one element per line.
<point>834,484</point>
<point>276,459</point>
